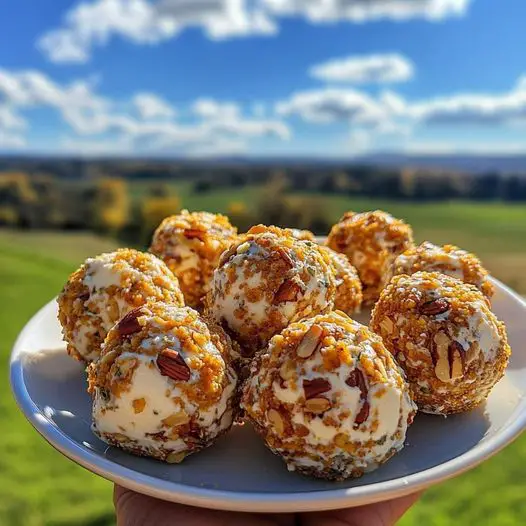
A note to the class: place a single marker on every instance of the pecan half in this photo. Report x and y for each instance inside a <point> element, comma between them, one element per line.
<point>276,420</point>
<point>129,324</point>
<point>317,405</point>
<point>172,364</point>
<point>456,360</point>
<point>310,342</point>
<point>286,257</point>
<point>315,387</point>
<point>448,358</point>
<point>357,379</point>
<point>288,291</point>
<point>435,307</point>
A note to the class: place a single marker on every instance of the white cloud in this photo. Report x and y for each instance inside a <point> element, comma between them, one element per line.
<point>365,10</point>
<point>62,46</point>
<point>366,69</point>
<point>330,105</point>
<point>10,141</point>
<point>472,109</point>
<point>389,118</point>
<point>390,112</point>
<point>92,23</point>
<point>219,18</point>
<point>151,106</point>
<point>152,124</point>
<point>211,109</point>
<point>521,84</point>
<point>10,120</point>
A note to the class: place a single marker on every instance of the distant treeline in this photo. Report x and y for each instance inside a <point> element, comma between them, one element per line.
<point>112,205</point>
<point>373,181</point>
<point>412,184</point>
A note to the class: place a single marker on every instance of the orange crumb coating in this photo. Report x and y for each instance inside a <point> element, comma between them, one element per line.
<point>190,243</point>
<point>303,235</point>
<point>371,241</point>
<point>266,280</point>
<point>328,398</point>
<point>447,259</point>
<point>163,385</point>
<point>349,294</point>
<point>104,289</point>
<point>444,335</point>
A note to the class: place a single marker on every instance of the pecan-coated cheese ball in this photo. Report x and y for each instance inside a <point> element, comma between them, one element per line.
<point>328,398</point>
<point>348,285</point>
<point>190,244</point>
<point>447,259</point>
<point>443,334</point>
<point>163,386</point>
<point>371,241</point>
<point>267,280</point>
<point>104,289</point>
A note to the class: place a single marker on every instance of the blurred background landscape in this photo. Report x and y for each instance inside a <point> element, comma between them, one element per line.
<point>117,113</point>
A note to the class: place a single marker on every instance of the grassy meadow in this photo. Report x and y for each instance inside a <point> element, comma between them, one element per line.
<point>38,486</point>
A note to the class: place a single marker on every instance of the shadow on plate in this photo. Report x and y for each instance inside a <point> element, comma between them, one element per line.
<point>239,460</point>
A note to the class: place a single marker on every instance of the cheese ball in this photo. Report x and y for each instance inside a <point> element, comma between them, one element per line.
<point>328,398</point>
<point>190,244</point>
<point>163,386</point>
<point>104,289</point>
<point>443,334</point>
<point>447,259</point>
<point>348,285</point>
<point>265,281</point>
<point>371,241</point>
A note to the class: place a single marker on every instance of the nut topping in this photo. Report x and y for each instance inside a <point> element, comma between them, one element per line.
<point>138,405</point>
<point>129,324</point>
<point>176,419</point>
<point>315,387</point>
<point>172,364</point>
<point>194,233</point>
<point>286,257</point>
<point>288,291</point>
<point>276,420</point>
<point>435,307</point>
<point>387,325</point>
<point>310,342</point>
<point>113,308</point>
<point>84,296</point>
<point>448,358</point>
<point>317,405</point>
<point>455,355</point>
<point>301,430</point>
<point>356,379</point>
<point>176,457</point>
<point>287,370</point>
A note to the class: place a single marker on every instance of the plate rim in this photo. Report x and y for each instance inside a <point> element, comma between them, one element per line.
<point>255,502</point>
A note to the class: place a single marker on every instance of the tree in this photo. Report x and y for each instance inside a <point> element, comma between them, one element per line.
<point>111,205</point>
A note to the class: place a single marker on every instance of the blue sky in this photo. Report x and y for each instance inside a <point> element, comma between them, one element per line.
<point>334,78</point>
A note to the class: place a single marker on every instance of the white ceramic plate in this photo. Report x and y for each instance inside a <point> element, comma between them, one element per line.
<point>238,473</point>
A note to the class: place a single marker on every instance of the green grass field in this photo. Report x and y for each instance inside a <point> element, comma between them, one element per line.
<point>38,486</point>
